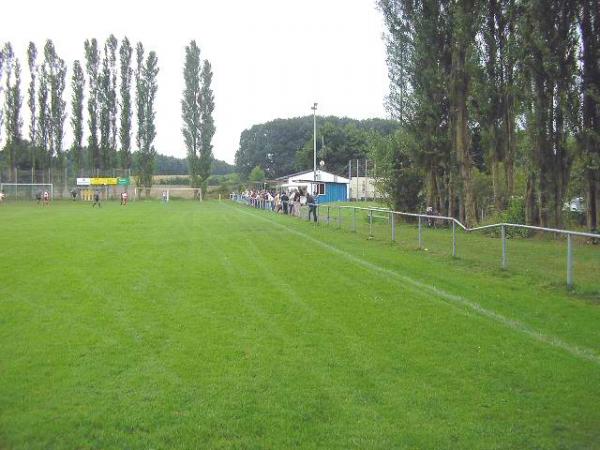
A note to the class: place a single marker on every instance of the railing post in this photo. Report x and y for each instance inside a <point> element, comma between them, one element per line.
<point>569,261</point>
<point>392,218</point>
<point>453,239</point>
<point>370,223</point>
<point>354,219</point>
<point>504,259</point>
<point>420,241</point>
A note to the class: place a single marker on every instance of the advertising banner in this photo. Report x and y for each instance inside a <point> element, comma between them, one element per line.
<point>103,181</point>
<point>83,181</point>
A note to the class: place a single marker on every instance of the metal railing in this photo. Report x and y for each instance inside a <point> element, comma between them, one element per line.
<point>428,219</point>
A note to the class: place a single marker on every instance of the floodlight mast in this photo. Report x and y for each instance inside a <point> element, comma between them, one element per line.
<point>314,108</point>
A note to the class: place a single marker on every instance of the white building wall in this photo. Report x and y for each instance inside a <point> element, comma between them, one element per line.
<point>362,187</point>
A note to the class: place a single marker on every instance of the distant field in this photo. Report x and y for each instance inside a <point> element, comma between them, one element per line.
<point>212,325</point>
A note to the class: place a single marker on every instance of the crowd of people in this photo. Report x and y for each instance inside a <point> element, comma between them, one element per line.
<point>284,202</point>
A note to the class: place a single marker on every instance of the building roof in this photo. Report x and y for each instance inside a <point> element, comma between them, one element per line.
<point>307,176</point>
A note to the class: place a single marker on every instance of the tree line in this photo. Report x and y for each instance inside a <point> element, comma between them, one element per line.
<point>113,92</point>
<point>284,146</point>
<point>102,78</point>
<point>501,90</point>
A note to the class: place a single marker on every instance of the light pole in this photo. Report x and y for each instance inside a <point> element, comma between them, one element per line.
<point>314,108</point>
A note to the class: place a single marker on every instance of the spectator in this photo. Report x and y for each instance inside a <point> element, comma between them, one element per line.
<point>312,207</point>
<point>285,200</point>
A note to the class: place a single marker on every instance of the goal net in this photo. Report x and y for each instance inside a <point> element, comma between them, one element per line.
<point>25,191</point>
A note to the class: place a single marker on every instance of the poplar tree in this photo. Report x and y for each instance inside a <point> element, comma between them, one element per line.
<point>12,107</point>
<point>43,129</point>
<point>1,89</point>
<point>104,107</point>
<point>589,20</point>
<point>77,88</point>
<point>112,45</point>
<point>191,113</point>
<point>92,64</point>
<point>147,94</point>
<point>464,23</point>
<point>549,59</point>
<point>207,127</point>
<point>125,54</point>
<point>57,80</point>
<point>31,101</point>
<point>139,96</point>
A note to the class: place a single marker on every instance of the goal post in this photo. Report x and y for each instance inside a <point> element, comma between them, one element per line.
<point>25,191</point>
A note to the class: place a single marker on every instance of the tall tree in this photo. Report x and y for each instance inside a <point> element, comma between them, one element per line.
<point>590,35</point>
<point>548,40</point>
<point>77,88</point>
<point>12,107</point>
<point>31,101</point>
<point>139,96</point>
<point>104,104</point>
<point>112,45</point>
<point>57,72</point>
<point>496,96</point>
<point>207,128</point>
<point>1,89</point>
<point>464,22</point>
<point>44,122</point>
<point>125,53</point>
<point>191,113</point>
<point>419,44</point>
<point>92,63</point>
<point>147,88</point>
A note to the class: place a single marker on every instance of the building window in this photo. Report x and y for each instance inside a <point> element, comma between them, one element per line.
<point>321,189</point>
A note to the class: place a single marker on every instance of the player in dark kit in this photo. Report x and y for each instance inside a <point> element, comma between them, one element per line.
<point>96,198</point>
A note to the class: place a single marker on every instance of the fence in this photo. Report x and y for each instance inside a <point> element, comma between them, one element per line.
<point>381,222</point>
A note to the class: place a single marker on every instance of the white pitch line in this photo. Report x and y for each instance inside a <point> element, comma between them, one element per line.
<point>553,341</point>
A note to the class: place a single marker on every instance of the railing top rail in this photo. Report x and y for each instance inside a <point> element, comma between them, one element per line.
<point>495,225</point>
<point>399,213</point>
<point>552,230</point>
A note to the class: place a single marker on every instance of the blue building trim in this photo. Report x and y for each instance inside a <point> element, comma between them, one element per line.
<point>334,192</point>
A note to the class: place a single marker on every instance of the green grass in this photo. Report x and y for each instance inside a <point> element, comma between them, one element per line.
<point>217,326</point>
<point>541,258</point>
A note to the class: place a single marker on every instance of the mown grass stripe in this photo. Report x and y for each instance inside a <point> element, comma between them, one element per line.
<point>513,324</point>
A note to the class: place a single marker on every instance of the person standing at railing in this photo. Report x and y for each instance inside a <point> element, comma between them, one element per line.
<point>312,207</point>
<point>285,201</point>
<point>295,204</point>
<point>277,200</point>
<point>292,197</point>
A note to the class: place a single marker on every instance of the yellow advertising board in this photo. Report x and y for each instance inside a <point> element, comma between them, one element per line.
<point>103,181</point>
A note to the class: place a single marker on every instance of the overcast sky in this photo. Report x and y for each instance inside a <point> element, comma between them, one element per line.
<point>270,58</point>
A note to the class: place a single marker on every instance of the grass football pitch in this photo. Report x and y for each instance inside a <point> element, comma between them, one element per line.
<point>213,325</point>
